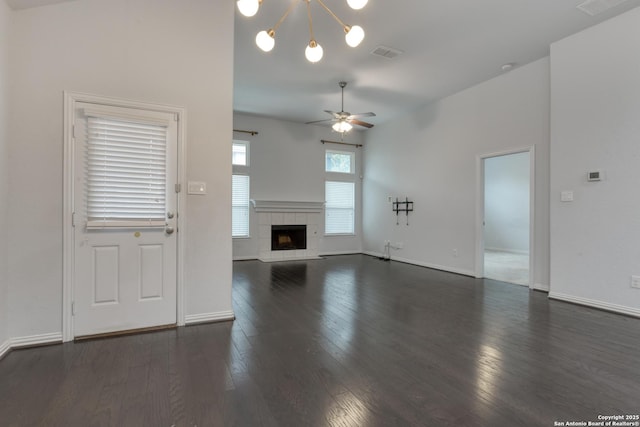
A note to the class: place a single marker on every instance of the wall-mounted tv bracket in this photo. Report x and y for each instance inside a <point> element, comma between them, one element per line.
<point>406,206</point>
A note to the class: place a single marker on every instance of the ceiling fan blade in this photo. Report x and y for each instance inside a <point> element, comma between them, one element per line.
<point>355,116</point>
<point>319,121</point>
<point>333,113</point>
<point>360,123</point>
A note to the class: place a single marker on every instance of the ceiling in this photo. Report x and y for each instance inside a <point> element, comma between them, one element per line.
<point>448,45</point>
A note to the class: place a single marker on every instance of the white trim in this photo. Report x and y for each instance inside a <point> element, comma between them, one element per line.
<point>541,287</point>
<point>245,258</point>
<point>339,252</point>
<point>52,338</point>
<point>423,264</point>
<point>621,309</point>
<point>4,348</point>
<point>479,244</point>
<point>507,250</point>
<point>286,206</point>
<point>68,254</point>
<point>221,316</point>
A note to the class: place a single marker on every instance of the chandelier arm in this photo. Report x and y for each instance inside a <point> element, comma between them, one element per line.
<point>293,3</point>
<point>310,20</point>
<point>344,26</point>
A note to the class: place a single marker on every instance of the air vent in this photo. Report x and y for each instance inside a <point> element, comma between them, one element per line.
<point>594,7</point>
<point>386,52</point>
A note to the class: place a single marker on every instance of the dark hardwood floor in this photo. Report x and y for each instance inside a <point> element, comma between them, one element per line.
<point>345,341</point>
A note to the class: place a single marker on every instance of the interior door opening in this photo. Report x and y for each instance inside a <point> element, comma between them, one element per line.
<point>506,218</point>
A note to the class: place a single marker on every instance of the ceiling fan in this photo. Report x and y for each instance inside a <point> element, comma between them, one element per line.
<point>343,119</point>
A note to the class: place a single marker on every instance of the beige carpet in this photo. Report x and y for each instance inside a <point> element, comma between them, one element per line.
<point>507,267</point>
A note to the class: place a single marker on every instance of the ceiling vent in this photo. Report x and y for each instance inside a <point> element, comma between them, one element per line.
<point>386,52</point>
<point>594,7</point>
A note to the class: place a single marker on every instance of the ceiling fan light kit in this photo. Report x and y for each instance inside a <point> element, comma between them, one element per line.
<point>344,120</point>
<point>265,39</point>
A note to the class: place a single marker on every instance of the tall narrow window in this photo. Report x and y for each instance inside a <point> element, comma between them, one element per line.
<point>126,167</point>
<point>240,206</point>
<point>339,207</point>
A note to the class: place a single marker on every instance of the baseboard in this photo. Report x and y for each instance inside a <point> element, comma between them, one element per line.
<point>244,258</point>
<point>541,287</point>
<point>340,253</point>
<point>34,340</point>
<point>29,341</point>
<point>424,264</point>
<point>509,251</point>
<point>621,309</point>
<point>4,348</point>
<point>221,316</point>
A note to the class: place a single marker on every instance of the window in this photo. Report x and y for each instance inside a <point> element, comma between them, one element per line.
<point>126,171</point>
<point>339,161</point>
<point>240,206</point>
<point>339,207</point>
<point>240,153</point>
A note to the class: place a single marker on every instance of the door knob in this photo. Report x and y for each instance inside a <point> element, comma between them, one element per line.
<point>168,229</point>
<point>170,215</point>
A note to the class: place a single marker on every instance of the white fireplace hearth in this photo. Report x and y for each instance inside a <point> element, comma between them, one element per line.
<point>271,212</point>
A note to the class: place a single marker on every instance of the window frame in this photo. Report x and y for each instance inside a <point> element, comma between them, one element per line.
<point>352,165</point>
<point>248,225</point>
<point>247,157</point>
<point>353,208</point>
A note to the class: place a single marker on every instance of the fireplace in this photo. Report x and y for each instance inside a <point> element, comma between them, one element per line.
<point>288,237</point>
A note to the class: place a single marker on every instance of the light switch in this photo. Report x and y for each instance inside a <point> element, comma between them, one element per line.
<point>196,187</point>
<point>566,196</point>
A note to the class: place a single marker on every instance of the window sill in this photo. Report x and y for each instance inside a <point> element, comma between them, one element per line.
<point>340,235</point>
<point>241,237</point>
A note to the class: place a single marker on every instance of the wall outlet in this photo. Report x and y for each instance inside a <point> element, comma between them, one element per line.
<point>635,282</point>
<point>455,253</point>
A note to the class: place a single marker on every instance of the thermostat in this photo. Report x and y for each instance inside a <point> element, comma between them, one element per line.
<point>594,176</point>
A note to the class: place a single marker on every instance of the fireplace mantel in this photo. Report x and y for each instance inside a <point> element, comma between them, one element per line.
<point>287,206</point>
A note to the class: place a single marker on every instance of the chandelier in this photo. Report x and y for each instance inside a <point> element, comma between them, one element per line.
<point>266,39</point>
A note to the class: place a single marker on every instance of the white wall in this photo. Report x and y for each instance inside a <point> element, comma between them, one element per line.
<point>431,156</point>
<point>175,52</point>
<point>287,164</point>
<point>506,207</point>
<point>4,172</point>
<point>595,124</point>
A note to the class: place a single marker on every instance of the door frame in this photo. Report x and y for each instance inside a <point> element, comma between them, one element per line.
<point>68,247</point>
<point>480,208</point>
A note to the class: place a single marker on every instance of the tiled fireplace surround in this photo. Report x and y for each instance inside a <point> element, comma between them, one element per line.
<point>287,213</point>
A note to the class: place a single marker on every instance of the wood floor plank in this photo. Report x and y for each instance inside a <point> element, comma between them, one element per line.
<point>344,341</point>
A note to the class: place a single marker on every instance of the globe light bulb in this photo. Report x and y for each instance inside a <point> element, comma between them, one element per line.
<point>357,4</point>
<point>313,52</point>
<point>354,36</point>
<point>265,40</point>
<point>342,127</point>
<point>248,7</point>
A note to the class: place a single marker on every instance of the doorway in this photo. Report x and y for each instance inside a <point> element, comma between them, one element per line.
<point>506,199</point>
<point>122,250</point>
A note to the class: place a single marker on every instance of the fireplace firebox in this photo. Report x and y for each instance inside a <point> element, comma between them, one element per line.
<point>288,237</point>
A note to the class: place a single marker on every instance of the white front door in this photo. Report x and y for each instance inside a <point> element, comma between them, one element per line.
<point>125,248</point>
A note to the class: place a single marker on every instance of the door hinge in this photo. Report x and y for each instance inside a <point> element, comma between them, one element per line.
<point>73,308</point>
<point>73,219</point>
<point>178,188</point>
<point>176,117</point>
<point>73,131</point>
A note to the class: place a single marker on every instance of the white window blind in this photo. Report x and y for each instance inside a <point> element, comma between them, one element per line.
<point>339,207</point>
<point>126,171</point>
<point>240,206</point>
